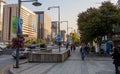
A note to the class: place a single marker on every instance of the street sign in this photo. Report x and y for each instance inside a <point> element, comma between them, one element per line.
<point>58,38</point>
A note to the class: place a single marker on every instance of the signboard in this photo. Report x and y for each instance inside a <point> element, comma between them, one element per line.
<point>58,38</point>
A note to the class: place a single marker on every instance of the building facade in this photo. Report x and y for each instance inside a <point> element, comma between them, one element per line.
<point>54,29</point>
<point>118,3</point>
<point>2,3</point>
<point>44,25</point>
<point>63,35</point>
<point>29,22</point>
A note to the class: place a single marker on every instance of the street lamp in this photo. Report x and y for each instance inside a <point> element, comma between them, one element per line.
<point>58,16</point>
<point>35,3</point>
<point>59,36</point>
<point>67,25</point>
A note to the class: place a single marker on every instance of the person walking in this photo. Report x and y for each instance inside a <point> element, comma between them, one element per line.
<point>71,47</point>
<point>67,45</point>
<point>87,49</point>
<point>82,51</point>
<point>74,47</point>
<point>116,58</point>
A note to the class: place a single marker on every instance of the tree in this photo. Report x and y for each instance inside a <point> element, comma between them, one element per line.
<point>75,37</point>
<point>18,42</point>
<point>98,22</point>
<point>87,24</point>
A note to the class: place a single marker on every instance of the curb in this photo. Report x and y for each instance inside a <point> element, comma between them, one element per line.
<point>11,68</point>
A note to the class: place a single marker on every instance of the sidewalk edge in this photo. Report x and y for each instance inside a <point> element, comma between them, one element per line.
<point>11,68</point>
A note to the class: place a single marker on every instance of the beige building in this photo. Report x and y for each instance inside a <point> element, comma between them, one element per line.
<point>2,3</point>
<point>44,25</point>
<point>29,25</point>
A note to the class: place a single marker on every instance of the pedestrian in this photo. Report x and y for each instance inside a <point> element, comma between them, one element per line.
<point>74,47</point>
<point>116,58</point>
<point>87,49</point>
<point>82,51</point>
<point>67,45</point>
<point>71,47</point>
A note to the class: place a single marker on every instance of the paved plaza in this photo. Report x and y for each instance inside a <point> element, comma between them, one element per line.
<point>73,65</point>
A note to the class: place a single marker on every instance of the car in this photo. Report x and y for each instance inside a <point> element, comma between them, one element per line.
<point>3,46</point>
<point>33,45</point>
<point>23,53</point>
<point>1,51</point>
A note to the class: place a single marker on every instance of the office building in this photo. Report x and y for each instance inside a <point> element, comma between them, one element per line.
<point>44,25</point>
<point>118,3</point>
<point>29,22</point>
<point>54,29</point>
<point>2,3</point>
<point>63,35</point>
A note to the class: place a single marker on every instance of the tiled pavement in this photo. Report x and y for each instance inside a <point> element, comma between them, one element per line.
<point>74,65</point>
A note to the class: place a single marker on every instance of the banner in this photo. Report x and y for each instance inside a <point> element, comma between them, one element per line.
<point>20,26</point>
<point>14,26</point>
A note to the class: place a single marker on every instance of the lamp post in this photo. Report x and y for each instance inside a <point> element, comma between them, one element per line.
<point>35,3</point>
<point>58,16</point>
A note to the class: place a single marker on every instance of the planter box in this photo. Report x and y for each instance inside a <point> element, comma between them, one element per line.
<point>48,57</point>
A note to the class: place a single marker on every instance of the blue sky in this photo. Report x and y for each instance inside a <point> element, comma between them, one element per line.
<point>69,9</point>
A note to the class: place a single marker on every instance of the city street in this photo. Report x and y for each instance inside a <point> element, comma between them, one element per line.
<point>7,60</point>
<point>93,64</point>
<point>59,37</point>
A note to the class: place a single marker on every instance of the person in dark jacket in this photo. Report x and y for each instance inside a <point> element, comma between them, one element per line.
<point>116,58</point>
<point>82,51</point>
<point>74,46</point>
<point>67,45</point>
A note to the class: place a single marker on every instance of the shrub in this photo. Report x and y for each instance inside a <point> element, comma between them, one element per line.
<point>18,42</point>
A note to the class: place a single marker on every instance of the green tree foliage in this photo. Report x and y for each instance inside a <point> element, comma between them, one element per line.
<point>41,41</point>
<point>75,37</point>
<point>18,42</point>
<point>95,23</point>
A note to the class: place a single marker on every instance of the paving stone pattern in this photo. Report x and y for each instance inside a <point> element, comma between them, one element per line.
<point>74,65</point>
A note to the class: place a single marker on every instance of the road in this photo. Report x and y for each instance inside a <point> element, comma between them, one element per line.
<point>6,61</point>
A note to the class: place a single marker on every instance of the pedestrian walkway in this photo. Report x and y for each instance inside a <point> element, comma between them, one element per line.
<point>73,65</point>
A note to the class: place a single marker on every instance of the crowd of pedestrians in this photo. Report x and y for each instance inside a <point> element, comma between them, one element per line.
<point>84,50</point>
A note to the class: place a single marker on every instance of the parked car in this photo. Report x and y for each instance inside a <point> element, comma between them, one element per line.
<point>33,45</point>
<point>1,51</point>
<point>3,46</point>
<point>23,53</point>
